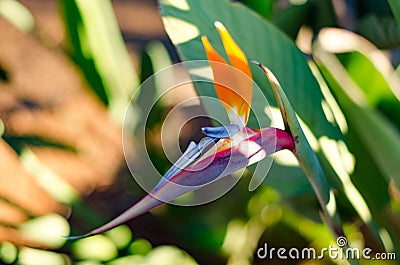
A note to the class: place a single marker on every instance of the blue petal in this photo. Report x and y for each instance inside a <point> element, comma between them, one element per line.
<point>222,131</point>
<point>192,152</point>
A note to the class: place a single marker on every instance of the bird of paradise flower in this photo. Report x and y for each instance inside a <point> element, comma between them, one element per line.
<point>236,146</point>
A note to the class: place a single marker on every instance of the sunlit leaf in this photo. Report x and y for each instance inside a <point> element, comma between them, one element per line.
<point>359,67</point>
<point>57,187</point>
<point>373,140</point>
<point>365,80</point>
<point>395,6</point>
<point>380,137</point>
<point>96,44</point>
<point>307,158</point>
<point>382,84</point>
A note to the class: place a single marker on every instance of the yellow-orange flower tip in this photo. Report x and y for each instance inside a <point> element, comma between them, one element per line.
<point>212,54</point>
<point>236,56</point>
<point>233,85</point>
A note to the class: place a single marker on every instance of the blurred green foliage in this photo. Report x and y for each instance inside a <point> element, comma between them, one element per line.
<point>357,141</point>
<point>96,45</point>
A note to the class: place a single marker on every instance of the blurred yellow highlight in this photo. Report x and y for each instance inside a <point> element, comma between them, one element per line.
<point>98,247</point>
<point>47,230</point>
<point>8,252</point>
<point>121,236</point>
<point>31,256</point>
<point>338,155</point>
<point>57,187</point>
<point>180,4</point>
<point>329,106</point>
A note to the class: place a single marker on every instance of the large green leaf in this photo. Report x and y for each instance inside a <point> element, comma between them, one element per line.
<point>292,18</point>
<point>263,7</point>
<point>364,84</point>
<point>372,139</point>
<point>359,67</point>
<point>382,31</point>
<point>307,158</point>
<point>395,7</point>
<point>186,21</point>
<point>377,88</point>
<point>365,189</point>
<point>369,137</point>
<point>379,136</point>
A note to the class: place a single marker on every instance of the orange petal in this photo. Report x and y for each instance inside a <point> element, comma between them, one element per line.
<point>235,54</point>
<point>224,81</point>
<point>212,54</point>
<point>238,60</point>
<point>233,87</point>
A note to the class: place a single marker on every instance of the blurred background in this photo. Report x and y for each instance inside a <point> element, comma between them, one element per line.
<point>67,71</point>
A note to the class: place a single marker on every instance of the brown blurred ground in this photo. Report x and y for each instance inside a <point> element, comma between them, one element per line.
<point>43,96</point>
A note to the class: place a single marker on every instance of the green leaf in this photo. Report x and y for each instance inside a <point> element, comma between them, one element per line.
<point>305,155</point>
<point>366,83</point>
<point>290,181</point>
<point>308,161</point>
<point>8,252</point>
<point>377,87</point>
<point>186,21</point>
<point>2,127</point>
<point>361,183</point>
<point>379,136</point>
<point>315,13</point>
<point>322,14</point>
<point>395,7</point>
<point>169,255</point>
<point>359,66</point>
<point>97,46</point>
<point>292,18</point>
<point>263,7</point>
<point>382,31</point>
